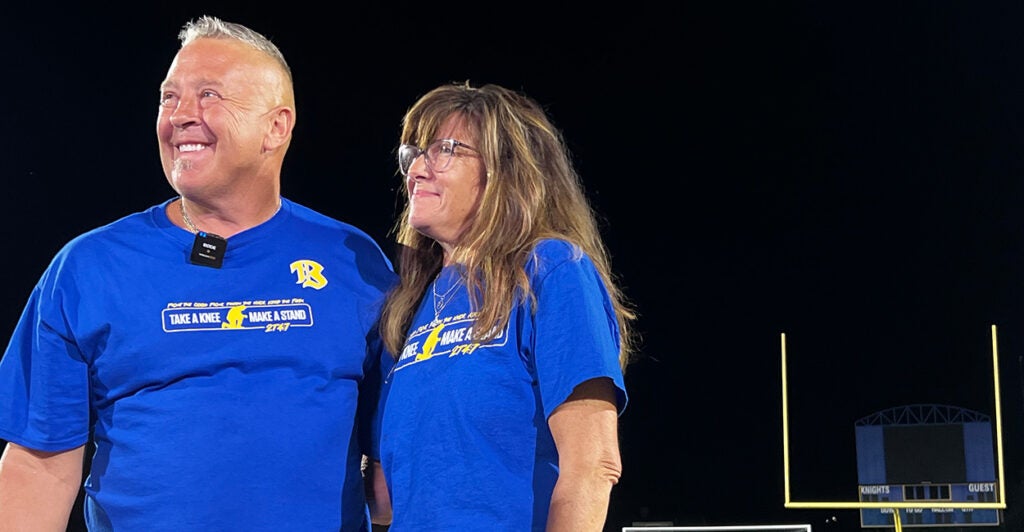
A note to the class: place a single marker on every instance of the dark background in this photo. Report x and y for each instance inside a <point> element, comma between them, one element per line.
<point>847,173</point>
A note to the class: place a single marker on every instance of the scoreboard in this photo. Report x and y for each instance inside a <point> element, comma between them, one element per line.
<point>924,453</point>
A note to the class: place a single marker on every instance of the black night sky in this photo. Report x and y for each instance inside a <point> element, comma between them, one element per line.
<point>849,174</point>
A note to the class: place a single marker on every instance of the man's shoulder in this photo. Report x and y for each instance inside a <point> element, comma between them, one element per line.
<point>308,215</point>
<point>130,224</point>
<point>324,228</point>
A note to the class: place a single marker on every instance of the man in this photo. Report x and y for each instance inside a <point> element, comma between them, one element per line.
<point>218,350</point>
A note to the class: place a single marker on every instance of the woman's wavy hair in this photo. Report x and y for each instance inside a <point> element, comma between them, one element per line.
<point>532,192</point>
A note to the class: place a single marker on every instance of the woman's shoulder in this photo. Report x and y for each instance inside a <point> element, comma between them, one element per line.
<point>550,253</point>
<point>557,249</point>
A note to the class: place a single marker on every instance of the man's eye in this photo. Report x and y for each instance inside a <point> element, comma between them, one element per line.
<point>167,99</point>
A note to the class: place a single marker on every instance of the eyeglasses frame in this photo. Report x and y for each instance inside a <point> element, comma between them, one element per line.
<point>403,148</point>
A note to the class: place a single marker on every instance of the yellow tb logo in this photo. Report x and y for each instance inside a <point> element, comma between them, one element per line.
<point>310,274</point>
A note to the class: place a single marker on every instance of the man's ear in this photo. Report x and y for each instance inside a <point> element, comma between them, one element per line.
<point>282,121</point>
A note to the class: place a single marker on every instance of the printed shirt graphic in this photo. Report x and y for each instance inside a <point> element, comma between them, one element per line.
<point>488,403</point>
<point>201,380</point>
<point>269,316</point>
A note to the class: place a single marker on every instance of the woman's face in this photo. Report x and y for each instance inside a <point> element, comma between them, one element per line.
<point>445,184</point>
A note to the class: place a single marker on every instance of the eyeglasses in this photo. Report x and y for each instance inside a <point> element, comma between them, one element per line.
<point>437,155</point>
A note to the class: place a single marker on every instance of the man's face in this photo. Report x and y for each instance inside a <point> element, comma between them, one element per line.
<point>214,116</point>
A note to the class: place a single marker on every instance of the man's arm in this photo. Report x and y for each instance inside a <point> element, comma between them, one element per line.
<point>585,430</point>
<point>38,488</point>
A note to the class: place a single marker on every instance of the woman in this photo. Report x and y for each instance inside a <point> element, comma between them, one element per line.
<point>501,409</point>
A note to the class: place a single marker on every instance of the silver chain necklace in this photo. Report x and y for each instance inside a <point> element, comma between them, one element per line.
<point>208,249</point>
<point>440,300</point>
<point>184,216</point>
<point>192,226</point>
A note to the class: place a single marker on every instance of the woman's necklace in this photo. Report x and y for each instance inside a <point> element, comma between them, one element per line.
<point>440,300</point>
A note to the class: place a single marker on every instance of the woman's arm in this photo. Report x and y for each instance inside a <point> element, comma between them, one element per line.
<point>585,430</point>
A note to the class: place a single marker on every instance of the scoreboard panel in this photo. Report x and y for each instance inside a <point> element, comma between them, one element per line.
<point>923,453</point>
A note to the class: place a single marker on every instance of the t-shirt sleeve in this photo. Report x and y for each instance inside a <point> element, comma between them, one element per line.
<point>44,379</point>
<point>372,396</point>
<point>576,335</point>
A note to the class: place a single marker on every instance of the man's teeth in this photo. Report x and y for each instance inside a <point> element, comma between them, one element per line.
<point>191,147</point>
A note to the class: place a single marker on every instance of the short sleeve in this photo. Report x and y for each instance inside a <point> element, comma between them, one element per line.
<point>44,379</point>
<point>576,335</point>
